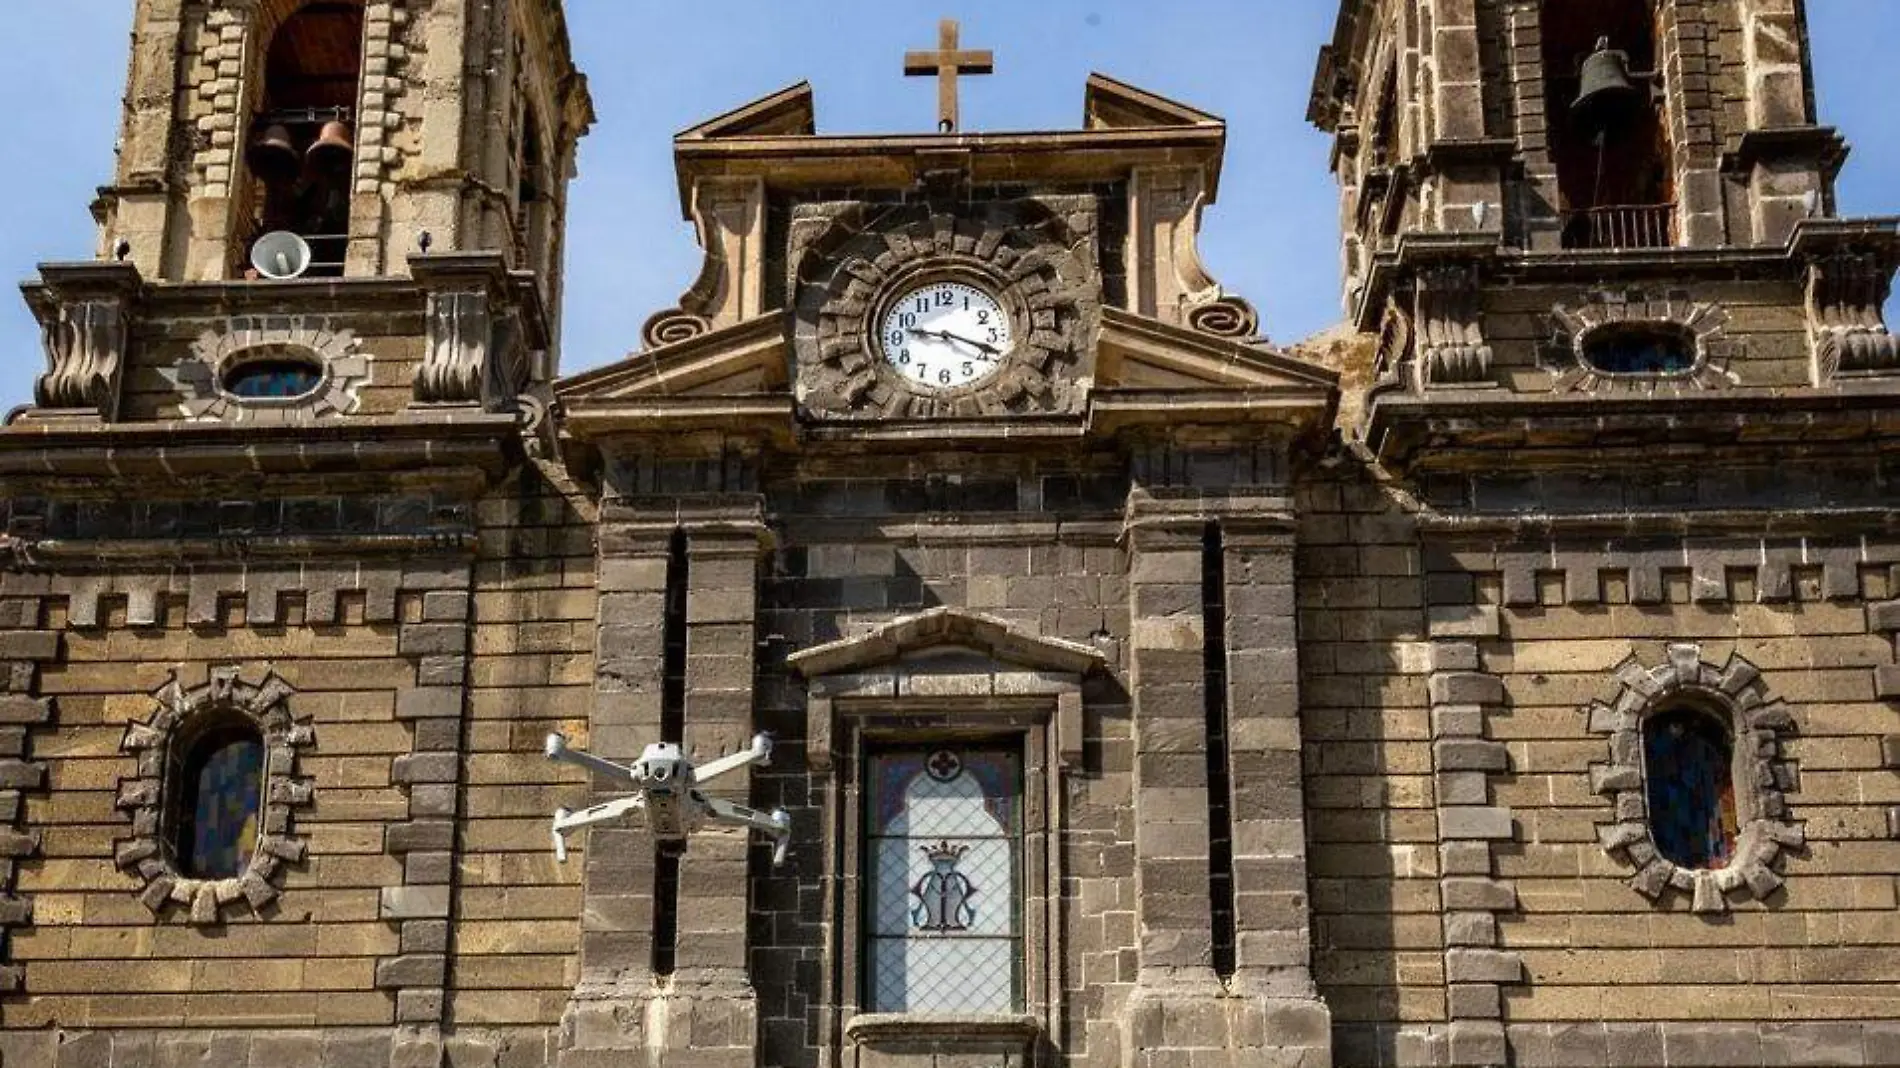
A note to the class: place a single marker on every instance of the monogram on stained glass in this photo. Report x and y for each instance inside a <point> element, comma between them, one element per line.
<point>1688,768</point>
<point>944,842</point>
<point>944,894</point>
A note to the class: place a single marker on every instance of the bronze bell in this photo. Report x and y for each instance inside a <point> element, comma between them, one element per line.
<point>1607,93</point>
<point>272,157</point>
<point>332,151</point>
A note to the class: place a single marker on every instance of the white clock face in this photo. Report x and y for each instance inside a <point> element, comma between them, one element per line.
<point>946,334</point>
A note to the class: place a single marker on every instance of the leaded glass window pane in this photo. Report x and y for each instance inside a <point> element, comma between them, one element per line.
<point>944,895</point>
<point>273,379</point>
<point>226,783</point>
<point>1691,788</point>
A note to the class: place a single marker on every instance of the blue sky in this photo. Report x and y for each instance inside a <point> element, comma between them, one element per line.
<point>659,67</point>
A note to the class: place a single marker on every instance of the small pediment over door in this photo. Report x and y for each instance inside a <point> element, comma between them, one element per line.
<point>964,666</point>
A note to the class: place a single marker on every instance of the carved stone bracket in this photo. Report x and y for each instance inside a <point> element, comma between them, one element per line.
<point>1450,331</point>
<point>200,376</point>
<point>729,219</point>
<point>1758,724</point>
<point>84,311</point>
<point>1847,326</point>
<point>1392,358</point>
<point>146,854</point>
<point>484,325</point>
<point>1703,323</point>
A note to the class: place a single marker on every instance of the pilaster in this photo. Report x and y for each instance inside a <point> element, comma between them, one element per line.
<point>1272,908</point>
<point>606,1022</point>
<point>1183,1011</point>
<point>1686,64</point>
<point>709,1003</point>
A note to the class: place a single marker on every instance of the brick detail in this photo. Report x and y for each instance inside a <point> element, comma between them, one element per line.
<point>422,906</point>
<point>1776,566</point>
<point>1463,696</point>
<point>264,588</point>
<point>23,651</point>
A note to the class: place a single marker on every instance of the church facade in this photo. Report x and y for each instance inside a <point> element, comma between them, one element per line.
<point>1506,677</point>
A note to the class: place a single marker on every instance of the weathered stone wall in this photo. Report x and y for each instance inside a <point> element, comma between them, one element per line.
<point>1364,662</point>
<point>1469,894</point>
<point>420,896</point>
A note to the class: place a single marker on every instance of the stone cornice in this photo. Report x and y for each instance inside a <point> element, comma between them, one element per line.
<point>420,441</point>
<point>1453,429</point>
<point>798,163</point>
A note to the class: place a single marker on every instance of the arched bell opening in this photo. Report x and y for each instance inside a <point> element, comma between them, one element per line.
<point>1608,125</point>
<point>301,151</point>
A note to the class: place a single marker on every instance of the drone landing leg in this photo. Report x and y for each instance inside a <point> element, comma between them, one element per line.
<point>777,824</point>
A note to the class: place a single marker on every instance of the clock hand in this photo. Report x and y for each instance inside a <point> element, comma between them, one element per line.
<point>992,350</point>
<point>945,335</point>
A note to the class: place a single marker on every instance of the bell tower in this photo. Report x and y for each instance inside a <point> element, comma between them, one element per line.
<point>356,125</point>
<point>1617,330</point>
<point>1670,138</point>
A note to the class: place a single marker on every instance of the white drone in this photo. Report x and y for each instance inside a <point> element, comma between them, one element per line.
<point>668,793</point>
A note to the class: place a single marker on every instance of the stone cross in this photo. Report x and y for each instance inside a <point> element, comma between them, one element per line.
<point>948,63</point>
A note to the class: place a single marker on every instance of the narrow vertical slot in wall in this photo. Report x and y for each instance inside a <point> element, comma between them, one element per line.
<point>666,863</point>
<point>1220,814</point>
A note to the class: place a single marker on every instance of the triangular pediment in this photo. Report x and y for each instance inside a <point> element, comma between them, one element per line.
<point>786,113</point>
<point>1115,105</point>
<point>946,632</point>
<point>1139,353</point>
<point>744,359</point>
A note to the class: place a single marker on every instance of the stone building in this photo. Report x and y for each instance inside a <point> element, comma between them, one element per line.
<point>1508,677</point>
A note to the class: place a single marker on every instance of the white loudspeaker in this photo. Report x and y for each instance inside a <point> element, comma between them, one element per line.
<point>281,256</point>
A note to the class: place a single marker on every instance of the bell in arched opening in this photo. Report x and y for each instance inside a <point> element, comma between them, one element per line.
<point>272,156</point>
<point>1607,94</point>
<point>333,150</point>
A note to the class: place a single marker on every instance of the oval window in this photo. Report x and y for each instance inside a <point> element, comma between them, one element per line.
<point>278,377</point>
<point>217,792</point>
<point>1640,352</point>
<point>1688,765</point>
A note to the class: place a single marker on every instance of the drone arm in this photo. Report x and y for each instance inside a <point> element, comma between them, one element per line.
<point>759,752</point>
<point>558,752</point>
<point>777,824</point>
<point>565,821</point>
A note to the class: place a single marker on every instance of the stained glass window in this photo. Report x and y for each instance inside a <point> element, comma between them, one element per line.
<point>1640,352</point>
<point>221,795</point>
<point>944,899</point>
<point>1688,761</point>
<point>278,379</point>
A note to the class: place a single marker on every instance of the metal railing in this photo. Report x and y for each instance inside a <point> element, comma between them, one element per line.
<point>1621,226</point>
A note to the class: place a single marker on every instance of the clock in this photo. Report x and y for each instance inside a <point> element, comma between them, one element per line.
<point>945,335</point>
<point>906,313</point>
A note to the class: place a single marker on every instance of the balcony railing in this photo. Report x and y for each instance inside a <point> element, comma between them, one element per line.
<point>1621,226</point>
